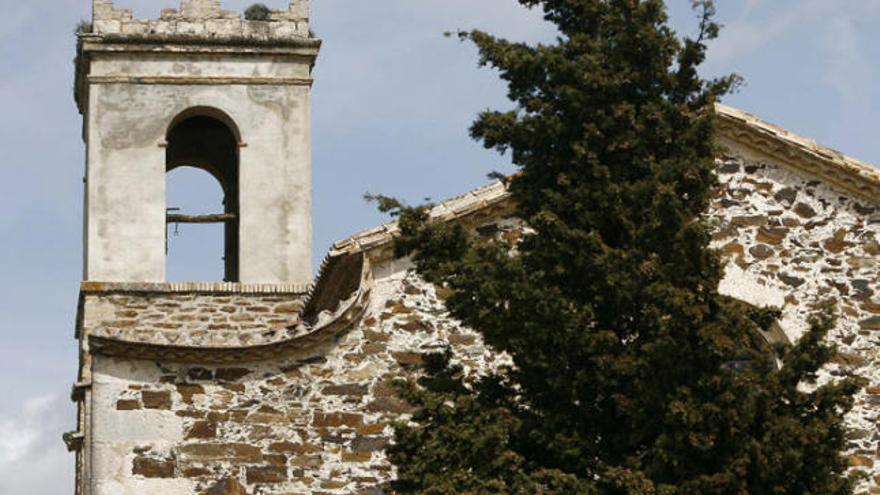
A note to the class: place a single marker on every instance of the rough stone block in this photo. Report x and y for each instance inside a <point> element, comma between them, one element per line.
<point>202,430</point>
<point>107,26</point>
<point>267,474</point>
<point>368,444</point>
<point>293,448</point>
<point>127,405</point>
<point>156,399</point>
<point>331,420</point>
<point>351,389</point>
<point>191,28</point>
<point>283,29</point>
<point>356,457</point>
<point>135,28</point>
<point>223,27</point>
<point>153,468</point>
<point>229,452</point>
<point>229,486</point>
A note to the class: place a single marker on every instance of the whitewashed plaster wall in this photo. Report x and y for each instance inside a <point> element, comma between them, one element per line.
<point>126,128</point>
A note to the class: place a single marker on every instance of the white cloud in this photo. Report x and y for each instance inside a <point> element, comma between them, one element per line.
<point>19,435</point>
<point>33,459</point>
<point>761,22</point>
<point>756,27</point>
<point>836,34</point>
<point>848,68</point>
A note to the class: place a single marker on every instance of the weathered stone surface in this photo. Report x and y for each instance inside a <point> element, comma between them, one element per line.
<point>346,389</point>
<point>408,358</point>
<point>229,486</point>
<point>749,220</point>
<point>872,323</point>
<point>232,374</point>
<point>231,452</point>
<point>324,420</point>
<point>127,405</point>
<point>266,474</point>
<point>761,251</point>
<point>156,400</point>
<point>464,339</point>
<point>368,444</point>
<point>202,430</point>
<point>293,448</point>
<point>804,210</point>
<point>729,167</point>
<point>790,280</point>
<point>836,244</point>
<point>772,235</point>
<point>356,456</point>
<point>153,468</point>
<point>786,195</point>
<point>188,390</point>
<point>197,320</point>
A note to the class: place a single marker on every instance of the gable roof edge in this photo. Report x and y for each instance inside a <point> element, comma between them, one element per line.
<point>482,202</point>
<point>799,153</point>
<point>802,154</point>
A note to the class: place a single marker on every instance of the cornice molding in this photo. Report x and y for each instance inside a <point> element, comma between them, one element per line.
<point>798,153</point>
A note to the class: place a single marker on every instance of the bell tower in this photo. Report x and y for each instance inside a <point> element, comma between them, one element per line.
<point>199,87</point>
<point>206,88</point>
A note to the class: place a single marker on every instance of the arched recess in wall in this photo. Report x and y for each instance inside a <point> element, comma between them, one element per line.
<point>208,139</point>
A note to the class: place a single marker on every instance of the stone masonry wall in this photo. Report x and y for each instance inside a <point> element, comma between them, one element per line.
<point>795,242</point>
<point>317,422</point>
<point>314,423</point>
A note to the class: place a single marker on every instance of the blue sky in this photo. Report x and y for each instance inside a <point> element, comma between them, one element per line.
<point>392,102</point>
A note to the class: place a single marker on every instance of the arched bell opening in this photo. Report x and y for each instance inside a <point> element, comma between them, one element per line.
<point>206,139</point>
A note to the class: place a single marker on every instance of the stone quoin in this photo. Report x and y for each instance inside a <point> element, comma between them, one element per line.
<point>270,382</point>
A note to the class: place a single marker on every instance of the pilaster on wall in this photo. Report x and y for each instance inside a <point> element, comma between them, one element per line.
<point>202,17</point>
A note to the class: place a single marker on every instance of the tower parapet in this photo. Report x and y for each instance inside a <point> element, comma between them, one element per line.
<point>202,18</point>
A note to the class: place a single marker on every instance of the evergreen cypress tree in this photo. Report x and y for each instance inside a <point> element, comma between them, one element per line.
<point>632,374</point>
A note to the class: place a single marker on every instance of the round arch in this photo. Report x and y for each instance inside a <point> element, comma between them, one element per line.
<point>207,138</point>
<point>205,111</point>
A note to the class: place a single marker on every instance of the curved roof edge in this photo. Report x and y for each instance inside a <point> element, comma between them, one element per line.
<point>335,319</point>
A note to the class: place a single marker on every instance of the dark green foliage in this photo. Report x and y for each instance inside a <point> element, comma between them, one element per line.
<point>632,374</point>
<point>257,12</point>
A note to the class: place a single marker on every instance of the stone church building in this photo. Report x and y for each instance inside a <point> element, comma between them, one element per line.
<point>275,382</point>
